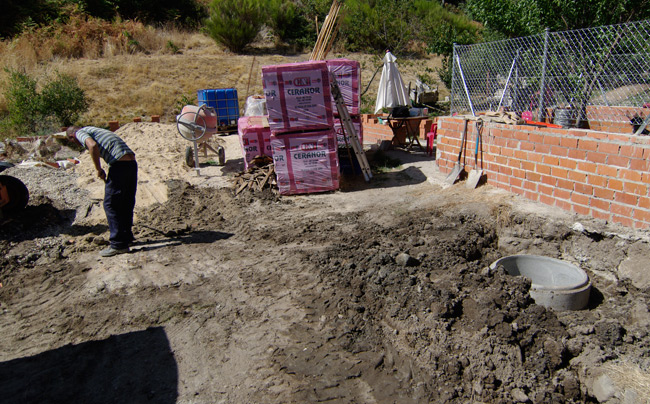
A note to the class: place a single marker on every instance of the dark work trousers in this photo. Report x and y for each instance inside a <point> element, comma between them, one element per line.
<point>119,201</point>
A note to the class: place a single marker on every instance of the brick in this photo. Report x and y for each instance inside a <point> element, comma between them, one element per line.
<point>587,144</point>
<point>548,200</point>
<point>631,151</point>
<point>581,210</point>
<point>530,185</point>
<point>626,198</point>
<point>644,202</point>
<point>583,188</point>
<point>580,199</point>
<point>603,193</point>
<point>521,155</point>
<point>642,215</point>
<point>607,171</point>
<point>619,161</point>
<point>543,169</point>
<point>625,221</point>
<point>577,154</point>
<point>561,194</point>
<point>542,148</point>
<point>563,205</point>
<point>622,210</point>
<point>551,140</point>
<point>565,184</point>
<point>631,175</point>
<point>568,163</point>
<point>536,157</point>
<point>571,143</point>
<point>528,165</point>
<point>577,176</point>
<point>527,146</point>
<point>536,138</point>
<point>639,164</point>
<point>533,176</point>
<point>587,166</point>
<point>544,189</point>
<point>519,173</point>
<point>614,184</point>
<point>532,195</point>
<point>559,172</point>
<point>595,180</point>
<point>516,182</point>
<point>608,148</point>
<point>600,214</point>
<point>600,204</point>
<point>548,180</point>
<point>635,188</point>
<point>595,157</point>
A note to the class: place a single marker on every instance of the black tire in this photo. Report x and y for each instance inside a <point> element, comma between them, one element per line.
<point>189,156</point>
<point>18,194</point>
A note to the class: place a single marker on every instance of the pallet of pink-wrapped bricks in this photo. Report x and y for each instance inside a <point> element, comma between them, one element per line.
<point>347,73</point>
<point>298,96</point>
<point>254,137</point>
<point>340,132</point>
<point>306,162</point>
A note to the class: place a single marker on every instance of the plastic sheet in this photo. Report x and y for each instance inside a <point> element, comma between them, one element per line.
<point>306,162</point>
<point>347,73</point>
<point>254,138</point>
<point>298,96</point>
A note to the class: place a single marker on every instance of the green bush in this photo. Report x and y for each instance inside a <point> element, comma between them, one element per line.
<point>23,103</point>
<point>235,23</point>
<point>63,98</point>
<point>289,23</point>
<point>29,112</point>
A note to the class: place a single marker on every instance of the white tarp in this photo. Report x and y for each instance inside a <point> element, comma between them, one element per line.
<point>392,92</point>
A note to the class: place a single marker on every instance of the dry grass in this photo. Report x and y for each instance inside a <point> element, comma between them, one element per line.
<point>124,81</point>
<point>629,376</point>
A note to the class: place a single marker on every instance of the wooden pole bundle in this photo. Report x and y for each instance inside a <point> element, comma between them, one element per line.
<point>325,37</point>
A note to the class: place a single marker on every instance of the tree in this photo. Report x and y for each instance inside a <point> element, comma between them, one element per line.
<point>235,23</point>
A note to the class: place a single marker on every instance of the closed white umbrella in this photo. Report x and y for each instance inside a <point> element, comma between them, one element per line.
<point>392,92</point>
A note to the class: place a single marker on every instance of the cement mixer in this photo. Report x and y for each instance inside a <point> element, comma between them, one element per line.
<point>198,124</point>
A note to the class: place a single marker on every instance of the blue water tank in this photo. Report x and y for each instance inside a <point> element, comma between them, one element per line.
<point>224,101</point>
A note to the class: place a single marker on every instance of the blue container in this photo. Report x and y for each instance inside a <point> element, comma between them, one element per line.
<point>225,103</point>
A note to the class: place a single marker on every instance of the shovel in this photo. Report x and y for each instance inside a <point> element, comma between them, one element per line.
<point>453,175</point>
<point>475,175</point>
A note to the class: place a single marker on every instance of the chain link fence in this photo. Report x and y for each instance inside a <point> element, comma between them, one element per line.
<point>596,78</point>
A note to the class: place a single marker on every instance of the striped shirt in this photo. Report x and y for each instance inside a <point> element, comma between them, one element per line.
<point>111,147</point>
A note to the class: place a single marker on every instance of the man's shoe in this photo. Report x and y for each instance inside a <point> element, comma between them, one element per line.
<point>110,251</point>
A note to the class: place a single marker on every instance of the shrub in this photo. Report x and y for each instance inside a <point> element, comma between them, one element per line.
<point>60,103</point>
<point>235,23</point>
<point>23,103</point>
<point>63,98</point>
<point>289,24</point>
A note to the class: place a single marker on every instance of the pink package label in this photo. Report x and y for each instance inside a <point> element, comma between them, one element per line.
<point>298,96</point>
<point>254,138</point>
<point>306,162</point>
<point>347,73</point>
<point>340,132</point>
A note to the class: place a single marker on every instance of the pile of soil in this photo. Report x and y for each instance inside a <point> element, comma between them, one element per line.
<point>379,292</point>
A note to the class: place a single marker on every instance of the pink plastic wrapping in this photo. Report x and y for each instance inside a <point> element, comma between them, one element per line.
<point>254,137</point>
<point>347,73</point>
<point>306,162</point>
<point>338,127</point>
<point>298,96</point>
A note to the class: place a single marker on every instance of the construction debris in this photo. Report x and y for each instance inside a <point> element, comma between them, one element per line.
<point>256,179</point>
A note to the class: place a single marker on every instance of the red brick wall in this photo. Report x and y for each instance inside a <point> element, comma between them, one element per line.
<point>599,174</point>
<point>374,132</point>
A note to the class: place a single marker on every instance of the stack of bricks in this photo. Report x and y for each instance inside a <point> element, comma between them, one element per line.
<point>598,174</point>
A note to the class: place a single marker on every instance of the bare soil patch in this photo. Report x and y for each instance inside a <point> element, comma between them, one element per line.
<point>377,293</point>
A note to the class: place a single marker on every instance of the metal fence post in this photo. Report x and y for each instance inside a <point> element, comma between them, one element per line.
<point>542,82</point>
<point>453,74</point>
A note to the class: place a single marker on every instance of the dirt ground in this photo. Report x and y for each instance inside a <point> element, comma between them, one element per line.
<point>380,292</point>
